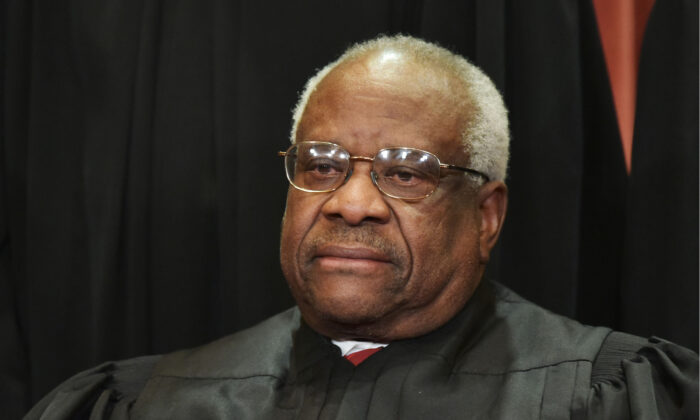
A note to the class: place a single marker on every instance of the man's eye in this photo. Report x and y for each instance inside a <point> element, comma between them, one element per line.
<point>404,175</point>
<point>321,167</point>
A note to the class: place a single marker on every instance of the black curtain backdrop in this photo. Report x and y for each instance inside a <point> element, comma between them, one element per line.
<point>141,195</point>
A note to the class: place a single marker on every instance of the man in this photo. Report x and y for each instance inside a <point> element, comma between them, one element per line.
<point>396,199</point>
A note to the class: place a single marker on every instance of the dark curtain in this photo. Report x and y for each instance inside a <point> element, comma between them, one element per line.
<point>141,195</point>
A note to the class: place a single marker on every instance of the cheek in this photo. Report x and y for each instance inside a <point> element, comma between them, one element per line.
<point>445,247</point>
<point>438,228</point>
<point>300,214</point>
<point>460,236</point>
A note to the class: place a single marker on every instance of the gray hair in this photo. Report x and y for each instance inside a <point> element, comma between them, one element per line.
<point>485,137</point>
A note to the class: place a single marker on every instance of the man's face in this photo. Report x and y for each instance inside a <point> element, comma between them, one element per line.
<point>363,265</point>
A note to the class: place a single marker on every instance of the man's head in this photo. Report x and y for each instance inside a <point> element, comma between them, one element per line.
<point>360,264</point>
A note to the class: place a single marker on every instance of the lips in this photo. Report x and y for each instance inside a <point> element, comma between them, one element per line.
<point>355,261</point>
<point>351,252</point>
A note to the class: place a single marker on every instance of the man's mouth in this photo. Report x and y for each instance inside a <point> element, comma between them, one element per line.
<point>351,252</point>
<point>344,257</point>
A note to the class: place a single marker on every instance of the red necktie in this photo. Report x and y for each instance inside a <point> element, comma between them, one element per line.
<point>359,356</point>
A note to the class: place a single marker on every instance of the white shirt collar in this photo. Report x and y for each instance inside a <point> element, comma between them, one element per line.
<point>349,346</point>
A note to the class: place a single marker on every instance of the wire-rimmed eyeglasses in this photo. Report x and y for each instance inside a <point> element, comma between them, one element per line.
<point>398,172</point>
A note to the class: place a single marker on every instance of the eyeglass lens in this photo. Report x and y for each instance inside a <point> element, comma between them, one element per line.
<point>398,172</point>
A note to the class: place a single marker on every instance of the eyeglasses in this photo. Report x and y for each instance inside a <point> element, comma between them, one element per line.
<point>398,172</point>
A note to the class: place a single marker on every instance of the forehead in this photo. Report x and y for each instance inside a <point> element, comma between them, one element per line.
<point>374,103</point>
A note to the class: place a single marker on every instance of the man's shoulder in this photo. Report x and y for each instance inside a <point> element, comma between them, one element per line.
<point>540,324</point>
<point>112,387</point>
<point>263,349</point>
<point>521,335</point>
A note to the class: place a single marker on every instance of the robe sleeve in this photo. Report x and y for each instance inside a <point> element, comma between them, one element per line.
<point>105,391</point>
<point>643,379</point>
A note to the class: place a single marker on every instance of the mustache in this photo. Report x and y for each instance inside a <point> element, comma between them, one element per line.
<point>365,236</point>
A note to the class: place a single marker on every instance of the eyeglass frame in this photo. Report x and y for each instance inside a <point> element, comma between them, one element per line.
<point>373,175</point>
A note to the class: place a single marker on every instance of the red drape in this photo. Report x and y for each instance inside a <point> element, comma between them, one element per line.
<point>621,24</point>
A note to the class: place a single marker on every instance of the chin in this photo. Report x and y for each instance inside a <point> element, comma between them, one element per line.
<point>341,317</point>
<point>350,311</point>
<point>352,317</point>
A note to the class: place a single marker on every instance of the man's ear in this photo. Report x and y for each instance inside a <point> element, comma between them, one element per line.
<point>492,201</point>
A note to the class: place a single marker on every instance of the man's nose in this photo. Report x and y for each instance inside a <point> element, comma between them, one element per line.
<point>358,200</point>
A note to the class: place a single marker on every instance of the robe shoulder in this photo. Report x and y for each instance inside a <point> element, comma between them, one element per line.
<point>626,376</point>
<point>516,335</point>
<point>105,391</point>
<point>649,378</point>
<point>110,389</point>
<point>262,350</point>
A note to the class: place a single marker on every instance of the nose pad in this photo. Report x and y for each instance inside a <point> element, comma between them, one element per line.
<point>375,181</point>
<point>373,175</point>
<point>347,176</point>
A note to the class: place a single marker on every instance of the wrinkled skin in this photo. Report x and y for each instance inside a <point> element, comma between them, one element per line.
<point>365,266</point>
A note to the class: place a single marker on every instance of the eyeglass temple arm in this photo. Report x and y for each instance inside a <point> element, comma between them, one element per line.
<point>471,171</point>
<point>361,158</point>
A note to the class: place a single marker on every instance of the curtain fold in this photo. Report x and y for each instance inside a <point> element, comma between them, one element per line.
<point>660,264</point>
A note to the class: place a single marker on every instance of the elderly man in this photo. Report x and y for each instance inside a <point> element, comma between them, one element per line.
<point>397,197</point>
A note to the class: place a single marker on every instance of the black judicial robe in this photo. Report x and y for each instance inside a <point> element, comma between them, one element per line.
<point>501,357</point>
